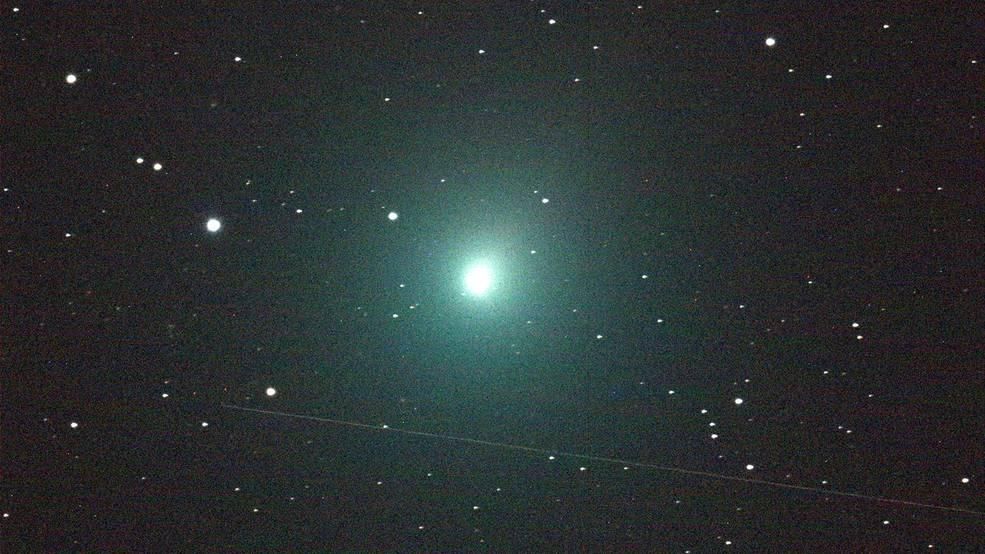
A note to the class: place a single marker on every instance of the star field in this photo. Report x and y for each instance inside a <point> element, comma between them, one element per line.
<point>508,277</point>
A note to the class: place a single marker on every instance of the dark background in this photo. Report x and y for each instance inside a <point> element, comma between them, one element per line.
<point>769,207</point>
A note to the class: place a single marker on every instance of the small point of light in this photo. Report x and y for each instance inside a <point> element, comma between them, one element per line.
<point>855,325</point>
<point>74,425</point>
<point>739,401</point>
<point>885,522</point>
<point>770,41</point>
<point>299,210</point>
<point>237,59</point>
<point>158,166</point>
<point>475,507</point>
<point>858,337</point>
<point>164,395</point>
<point>392,216</point>
<point>481,51</point>
<point>551,21</point>
<point>71,78</point>
<point>205,424</point>
<point>545,200</point>
<point>965,480</point>
<point>386,99</point>
<point>213,225</point>
<point>140,160</point>
<point>550,457</point>
<point>714,435</point>
<point>828,76</point>
<point>750,467</point>
<point>599,337</point>
<point>271,391</point>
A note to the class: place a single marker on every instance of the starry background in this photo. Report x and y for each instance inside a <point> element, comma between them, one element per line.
<point>679,213</point>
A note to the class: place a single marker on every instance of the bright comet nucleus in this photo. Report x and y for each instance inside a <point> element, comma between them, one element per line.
<point>478,279</point>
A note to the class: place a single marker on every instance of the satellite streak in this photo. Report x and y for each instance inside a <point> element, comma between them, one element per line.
<point>603,459</point>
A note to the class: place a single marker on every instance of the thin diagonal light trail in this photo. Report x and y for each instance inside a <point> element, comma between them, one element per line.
<point>706,474</point>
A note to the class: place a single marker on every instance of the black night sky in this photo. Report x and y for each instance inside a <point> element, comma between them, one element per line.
<point>729,295</point>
